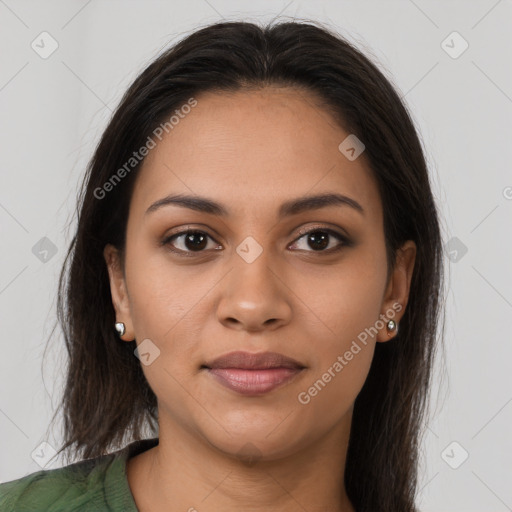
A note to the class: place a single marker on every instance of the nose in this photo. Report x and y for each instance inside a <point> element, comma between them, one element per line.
<point>254,296</point>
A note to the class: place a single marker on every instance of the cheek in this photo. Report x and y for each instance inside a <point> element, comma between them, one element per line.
<point>168,304</point>
<point>343,352</point>
<point>345,300</point>
<point>329,394</point>
<point>344,311</point>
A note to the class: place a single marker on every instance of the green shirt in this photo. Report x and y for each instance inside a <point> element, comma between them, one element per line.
<point>98,485</point>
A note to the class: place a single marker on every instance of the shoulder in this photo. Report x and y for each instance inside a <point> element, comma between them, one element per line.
<point>98,484</point>
<point>68,488</point>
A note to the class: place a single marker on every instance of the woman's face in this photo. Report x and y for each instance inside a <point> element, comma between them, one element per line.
<point>250,279</point>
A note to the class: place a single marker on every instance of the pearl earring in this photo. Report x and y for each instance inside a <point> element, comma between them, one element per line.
<point>120,328</point>
<point>392,326</point>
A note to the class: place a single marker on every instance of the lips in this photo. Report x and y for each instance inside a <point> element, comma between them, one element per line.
<point>253,374</point>
<point>248,361</point>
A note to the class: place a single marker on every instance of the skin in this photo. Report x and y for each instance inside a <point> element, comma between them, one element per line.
<point>251,151</point>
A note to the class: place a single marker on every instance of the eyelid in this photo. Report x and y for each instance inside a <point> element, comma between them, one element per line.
<point>182,232</point>
<point>322,227</point>
<point>343,238</point>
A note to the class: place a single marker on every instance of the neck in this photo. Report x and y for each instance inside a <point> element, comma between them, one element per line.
<point>188,473</point>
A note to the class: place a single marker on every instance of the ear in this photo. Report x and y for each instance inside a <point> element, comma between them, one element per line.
<point>118,290</point>
<point>397,291</point>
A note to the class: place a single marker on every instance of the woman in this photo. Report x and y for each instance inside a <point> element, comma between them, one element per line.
<point>256,273</point>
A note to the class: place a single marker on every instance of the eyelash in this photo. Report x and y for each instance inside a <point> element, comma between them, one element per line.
<point>345,241</point>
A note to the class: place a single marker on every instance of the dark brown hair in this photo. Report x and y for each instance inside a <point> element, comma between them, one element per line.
<point>107,400</point>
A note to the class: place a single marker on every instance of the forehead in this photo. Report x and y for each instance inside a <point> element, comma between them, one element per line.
<point>254,149</point>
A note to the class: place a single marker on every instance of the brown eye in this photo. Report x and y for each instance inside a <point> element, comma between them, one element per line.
<point>319,240</point>
<point>189,241</point>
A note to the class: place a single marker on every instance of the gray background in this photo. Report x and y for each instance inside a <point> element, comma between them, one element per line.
<point>54,109</point>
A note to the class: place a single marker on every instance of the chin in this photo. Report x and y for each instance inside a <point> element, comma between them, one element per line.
<point>267,439</point>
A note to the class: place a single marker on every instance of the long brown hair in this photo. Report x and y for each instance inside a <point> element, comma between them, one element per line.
<point>107,401</point>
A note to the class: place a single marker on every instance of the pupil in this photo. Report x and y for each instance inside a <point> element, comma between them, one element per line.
<point>190,239</point>
<point>320,239</point>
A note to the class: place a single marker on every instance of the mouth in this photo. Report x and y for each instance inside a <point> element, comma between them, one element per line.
<point>253,374</point>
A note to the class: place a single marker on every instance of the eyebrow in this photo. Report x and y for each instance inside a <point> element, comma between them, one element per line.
<point>291,207</point>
